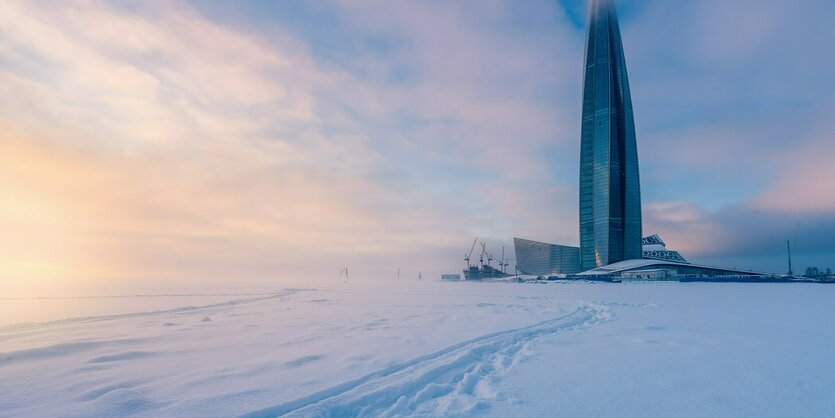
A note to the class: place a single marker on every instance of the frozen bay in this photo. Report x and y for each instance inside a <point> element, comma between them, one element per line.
<point>430,349</point>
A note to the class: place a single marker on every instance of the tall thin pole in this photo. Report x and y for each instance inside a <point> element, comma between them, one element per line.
<point>789,247</point>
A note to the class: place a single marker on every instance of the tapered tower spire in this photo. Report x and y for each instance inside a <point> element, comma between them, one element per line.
<point>610,193</point>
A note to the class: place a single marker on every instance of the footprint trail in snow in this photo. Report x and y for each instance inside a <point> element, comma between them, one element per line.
<point>454,381</point>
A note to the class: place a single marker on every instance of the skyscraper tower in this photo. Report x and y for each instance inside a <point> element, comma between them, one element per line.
<point>610,191</point>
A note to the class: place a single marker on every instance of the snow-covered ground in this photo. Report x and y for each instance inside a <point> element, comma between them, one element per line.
<point>433,349</point>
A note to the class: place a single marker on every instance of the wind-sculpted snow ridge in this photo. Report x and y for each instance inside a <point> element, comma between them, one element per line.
<point>182,309</point>
<point>455,381</point>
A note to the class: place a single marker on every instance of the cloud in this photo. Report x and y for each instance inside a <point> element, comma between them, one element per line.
<point>745,235</point>
<point>164,146</point>
<point>206,142</point>
<point>732,111</point>
<point>199,152</point>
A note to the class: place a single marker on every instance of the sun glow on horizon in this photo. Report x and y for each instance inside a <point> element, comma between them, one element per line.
<point>173,142</point>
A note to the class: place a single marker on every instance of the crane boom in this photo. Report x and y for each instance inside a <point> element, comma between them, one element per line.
<point>467,257</point>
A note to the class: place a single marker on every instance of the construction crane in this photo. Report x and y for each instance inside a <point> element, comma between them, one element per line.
<point>484,268</point>
<point>503,262</point>
<point>483,252</point>
<point>467,257</point>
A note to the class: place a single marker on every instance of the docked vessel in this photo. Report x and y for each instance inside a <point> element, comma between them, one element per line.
<point>484,270</point>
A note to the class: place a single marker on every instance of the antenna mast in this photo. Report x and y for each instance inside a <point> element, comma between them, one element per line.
<point>789,248</point>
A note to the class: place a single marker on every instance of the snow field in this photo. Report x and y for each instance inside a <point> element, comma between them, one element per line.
<point>439,349</point>
<point>247,355</point>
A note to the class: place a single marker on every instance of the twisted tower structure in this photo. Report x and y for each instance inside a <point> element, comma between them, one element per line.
<point>610,191</point>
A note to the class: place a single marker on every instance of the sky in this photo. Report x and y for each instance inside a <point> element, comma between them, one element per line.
<point>260,143</point>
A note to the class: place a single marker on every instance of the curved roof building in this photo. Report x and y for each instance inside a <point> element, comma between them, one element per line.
<point>673,269</point>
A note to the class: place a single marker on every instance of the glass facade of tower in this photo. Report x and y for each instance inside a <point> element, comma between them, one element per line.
<point>610,194</point>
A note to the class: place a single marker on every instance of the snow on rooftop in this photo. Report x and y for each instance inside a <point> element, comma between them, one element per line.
<point>646,262</point>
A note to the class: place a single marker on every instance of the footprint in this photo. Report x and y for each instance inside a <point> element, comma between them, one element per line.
<point>302,361</point>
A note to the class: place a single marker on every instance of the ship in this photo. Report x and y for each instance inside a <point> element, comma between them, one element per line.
<point>482,270</point>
